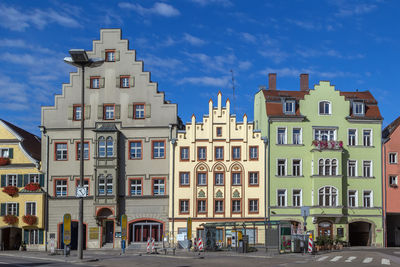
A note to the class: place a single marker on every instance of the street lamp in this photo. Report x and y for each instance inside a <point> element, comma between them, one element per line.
<point>80,59</point>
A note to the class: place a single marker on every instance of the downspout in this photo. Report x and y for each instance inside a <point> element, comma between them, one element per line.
<point>173,142</point>
<point>46,201</point>
<point>384,197</point>
<point>269,172</point>
<point>265,139</point>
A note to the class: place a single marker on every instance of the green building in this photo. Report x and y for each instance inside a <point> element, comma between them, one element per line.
<point>324,153</point>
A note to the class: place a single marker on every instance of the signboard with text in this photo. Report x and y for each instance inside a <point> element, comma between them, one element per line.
<point>67,228</point>
<point>124,225</point>
<point>189,228</point>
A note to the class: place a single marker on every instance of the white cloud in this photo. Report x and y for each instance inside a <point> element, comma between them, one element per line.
<point>193,40</point>
<point>225,3</point>
<point>309,53</point>
<point>308,25</point>
<point>245,65</point>
<point>274,53</point>
<point>16,20</point>
<point>158,8</point>
<point>354,8</point>
<point>207,81</point>
<point>217,63</point>
<point>248,37</point>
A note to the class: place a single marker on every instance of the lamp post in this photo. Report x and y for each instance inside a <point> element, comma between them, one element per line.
<point>80,59</point>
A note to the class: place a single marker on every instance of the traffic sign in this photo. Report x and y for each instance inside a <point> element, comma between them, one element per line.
<point>124,225</point>
<point>67,228</point>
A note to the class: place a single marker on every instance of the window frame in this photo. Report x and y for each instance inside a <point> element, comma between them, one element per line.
<point>258,206</point>
<point>14,181</point>
<point>26,207</point>
<point>278,201</point>
<point>233,152</point>
<point>251,154</point>
<point>141,149</point>
<point>180,179</point>
<point>152,186</point>
<point>215,153</point>
<point>153,147</point>
<point>77,152</point>
<point>370,168</point>
<point>233,173</point>
<point>105,106</point>
<point>300,168</point>
<point>300,135</point>
<point>121,81</point>
<point>258,178</point>
<point>300,195</point>
<point>14,211</point>
<point>181,149</point>
<point>336,204</point>
<point>107,52</point>
<point>74,112</point>
<point>55,151</point>
<point>135,105</point>
<point>92,79</point>
<point>55,187</point>
<point>215,178</point>
<point>355,168</point>
<point>187,211</point>
<point>198,154</point>
<point>240,206</point>
<point>355,137</point>
<point>355,103</point>
<point>395,157</point>
<point>77,183</point>
<point>205,206</point>
<point>215,206</point>
<point>370,138</point>
<point>391,184</point>
<point>3,150</point>
<point>324,108</point>
<point>206,178</point>
<point>355,198</point>
<point>284,170</point>
<point>371,199</point>
<point>292,103</point>
<point>218,131</point>
<point>278,135</point>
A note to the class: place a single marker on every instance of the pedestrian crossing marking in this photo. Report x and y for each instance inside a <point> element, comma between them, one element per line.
<point>336,258</point>
<point>322,258</point>
<point>350,259</point>
<point>385,262</point>
<point>367,260</point>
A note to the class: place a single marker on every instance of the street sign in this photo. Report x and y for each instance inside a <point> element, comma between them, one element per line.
<point>305,211</point>
<point>81,191</point>
<point>189,228</point>
<point>67,228</point>
<point>124,225</point>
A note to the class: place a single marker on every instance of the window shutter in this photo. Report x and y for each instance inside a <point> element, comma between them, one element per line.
<point>87,83</point>
<point>3,209</point>
<point>17,209</point>
<point>101,80</point>
<point>11,153</point>
<point>103,54</point>
<point>118,82</point>
<point>70,112</point>
<point>3,180</point>
<point>117,55</point>
<point>41,179</point>
<point>100,111</point>
<point>26,179</point>
<point>20,177</point>
<point>132,82</point>
<point>117,111</point>
<point>87,112</point>
<point>148,110</point>
<point>26,236</point>
<point>40,236</point>
<point>130,111</point>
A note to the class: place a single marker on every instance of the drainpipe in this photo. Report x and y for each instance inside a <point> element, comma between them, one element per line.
<point>265,139</point>
<point>46,201</point>
<point>173,142</point>
<point>384,197</point>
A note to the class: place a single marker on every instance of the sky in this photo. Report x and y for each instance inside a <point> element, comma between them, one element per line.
<point>192,48</point>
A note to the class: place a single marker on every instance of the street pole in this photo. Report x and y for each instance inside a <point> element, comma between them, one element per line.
<point>81,173</point>
<point>173,142</point>
<point>265,139</point>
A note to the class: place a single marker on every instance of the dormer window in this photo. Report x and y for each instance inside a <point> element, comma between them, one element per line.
<point>358,108</point>
<point>289,107</point>
<point>325,108</point>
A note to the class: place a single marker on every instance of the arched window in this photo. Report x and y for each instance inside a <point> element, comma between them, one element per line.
<point>102,147</point>
<point>327,167</point>
<point>324,108</point>
<point>110,147</point>
<point>327,196</point>
<point>334,167</point>
<point>321,167</point>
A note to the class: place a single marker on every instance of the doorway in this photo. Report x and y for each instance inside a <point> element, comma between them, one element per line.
<point>360,234</point>
<point>108,231</point>
<point>74,236</point>
<point>141,231</point>
<point>11,238</point>
<point>325,229</point>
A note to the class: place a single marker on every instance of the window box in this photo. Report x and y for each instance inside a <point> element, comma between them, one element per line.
<point>11,190</point>
<point>10,219</point>
<point>4,161</point>
<point>393,185</point>
<point>327,144</point>
<point>29,219</point>
<point>32,187</point>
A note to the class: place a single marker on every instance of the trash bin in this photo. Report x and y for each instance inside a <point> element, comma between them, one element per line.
<point>245,240</point>
<point>241,247</point>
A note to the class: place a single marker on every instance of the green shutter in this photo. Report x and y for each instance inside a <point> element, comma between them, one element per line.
<point>20,176</point>
<point>3,209</point>
<point>70,115</point>
<point>26,236</point>
<point>41,179</point>
<point>117,55</point>
<point>11,153</point>
<point>40,236</point>
<point>26,179</point>
<point>148,111</point>
<point>100,112</point>
<point>130,111</point>
<point>17,209</point>
<point>117,112</point>
<point>3,180</point>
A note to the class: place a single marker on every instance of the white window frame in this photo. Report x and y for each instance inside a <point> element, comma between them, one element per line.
<point>277,167</point>
<point>323,204</point>
<point>33,236</point>
<point>355,103</point>
<point>370,137</point>
<point>136,186</point>
<point>34,205</point>
<point>300,168</point>
<point>371,197</point>
<point>34,178</point>
<point>139,110</point>
<point>203,179</point>
<point>203,207</point>
<point>355,137</point>
<point>251,179</point>
<point>184,206</point>
<point>201,155</point>
<point>395,157</point>
<point>278,200</point>
<point>236,152</point>
<point>158,149</point>
<point>137,150</point>
<point>355,198</point>
<point>125,82</point>
<point>219,208</point>
<point>184,153</point>
<point>254,156</point>
<point>289,103</point>
<point>300,195</point>
<point>284,136</point>
<point>85,150</point>
<point>355,168</point>
<point>220,179</point>
<point>109,112</point>
<point>320,134</point>
<point>12,180</point>
<point>109,147</point>
<point>95,83</point>
<point>219,153</point>
<point>184,178</point>
<point>159,186</point>
<point>253,205</point>
<point>330,108</point>
<point>236,176</point>
<point>63,155</point>
<point>109,185</point>
<point>371,168</point>
<point>4,152</point>
<point>63,188</point>
<point>102,185</point>
<point>330,167</point>
<point>14,208</point>
<point>393,180</point>
<point>300,136</point>
<point>77,112</point>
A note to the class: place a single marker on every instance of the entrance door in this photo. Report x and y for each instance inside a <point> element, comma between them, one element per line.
<point>109,238</point>
<point>74,236</point>
<point>325,229</point>
<point>141,231</point>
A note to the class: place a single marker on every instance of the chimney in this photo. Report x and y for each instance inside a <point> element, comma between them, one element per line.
<point>272,81</point>
<point>304,86</point>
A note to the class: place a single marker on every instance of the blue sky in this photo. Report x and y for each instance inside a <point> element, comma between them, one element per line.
<point>190,46</point>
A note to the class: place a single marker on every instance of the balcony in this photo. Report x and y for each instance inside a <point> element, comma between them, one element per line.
<point>327,145</point>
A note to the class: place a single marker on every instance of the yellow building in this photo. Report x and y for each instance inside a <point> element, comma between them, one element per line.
<point>219,178</point>
<point>21,196</point>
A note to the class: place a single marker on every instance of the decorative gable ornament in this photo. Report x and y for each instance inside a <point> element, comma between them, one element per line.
<point>201,194</point>
<point>236,194</point>
<point>219,194</point>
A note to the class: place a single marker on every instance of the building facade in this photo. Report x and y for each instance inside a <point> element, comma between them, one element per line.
<point>325,154</point>
<point>218,176</point>
<point>22,196</point>
<point>128,125</point>
<point>391,173</point>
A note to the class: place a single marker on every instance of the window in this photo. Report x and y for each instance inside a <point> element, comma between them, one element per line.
<point>105,185</point>
<point>85,150</point>
<point>352,137</point>
<point>12,180</point>
<point>352,168</point>
<point>219,153</point>
<point>61,151</point>
<point>138,111</point>
<point>289,107</point>
<point>236,178</point>
<point>184,179</point>
<point>12,209</point>
<point>201,206</point>
<point>102,147</point>
<point>236,206</point>
<point>30,208</point>
<point>328,196</point>
<point>158,187</point>
<point>158,149</point>
<point>281,169</point>
<point>5,153</point>
<point>109,184</point>
<point>367,168</point>
<point>253,178</point>
<point>327,167</point>
<point>201,178</point>
<point>109,112</point>
<point>34,178</point>
<point>124,82</point>
<point>393,158</point>
<point>393,181</point>
<point>184,206</point>
<point>184,153</point>
<point>219,131</point>
<point>61,188</point>
<point>324,108</point>
<point>254,153</point>
<point>296,167</point>
<point>77,112</point>
<point>33,235</point>
<point>325,134</point>
<point>281,136</point>
<point>296,197</point>
<point>296,136</point>
<point>253,205</point>
<point>110,146</point>
<point>94,82</point>
<point>219,178</point>
<point>367,197</point>
<point>219,206</point>
<point>201,153</point>
<point>352,198</point>
<point>334,167</point>
<point>358,108</point>
<point>135,150</point>
<point>102,185</point>
<point>110,56</point>
<point>367,137</point>
<point>281,197</point>
<point>236,153</point>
